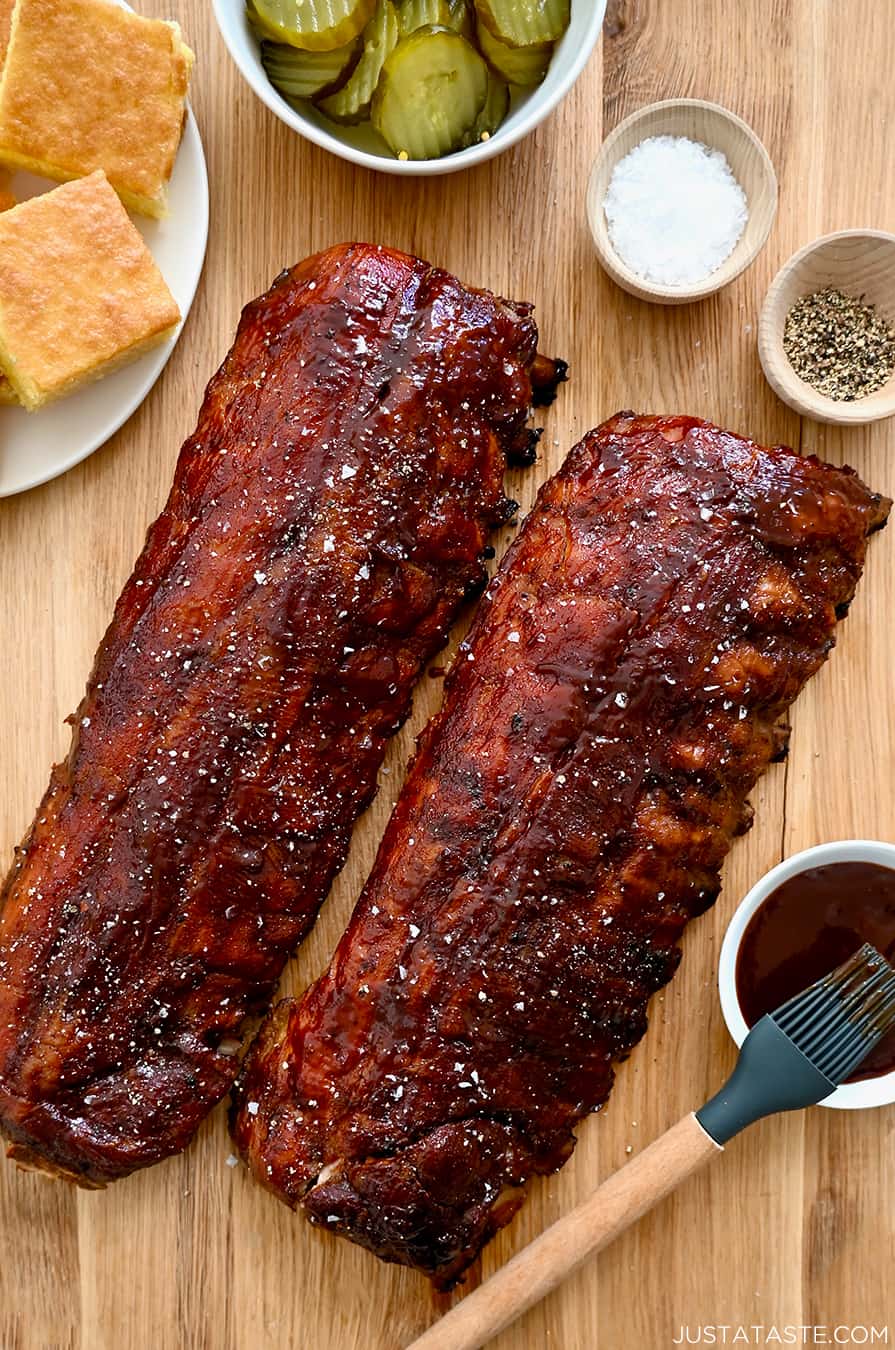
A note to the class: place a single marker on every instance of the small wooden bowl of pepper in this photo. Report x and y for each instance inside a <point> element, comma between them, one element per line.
<point>826,337</point>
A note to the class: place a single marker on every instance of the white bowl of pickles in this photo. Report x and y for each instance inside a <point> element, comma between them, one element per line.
<point>411,86</point>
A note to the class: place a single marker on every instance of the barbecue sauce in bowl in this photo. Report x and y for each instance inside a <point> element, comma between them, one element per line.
<point>811,923</point>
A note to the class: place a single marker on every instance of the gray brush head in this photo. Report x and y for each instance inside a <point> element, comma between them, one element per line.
<point>837,1021</point>
<point>801,1052</point>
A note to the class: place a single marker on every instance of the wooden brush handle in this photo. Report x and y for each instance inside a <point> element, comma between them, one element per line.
<point>567,1244</point>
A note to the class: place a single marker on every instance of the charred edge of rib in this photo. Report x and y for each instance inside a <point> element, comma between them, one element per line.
<point>473,589</point>
<point>881,506</point>
<point>546,377</point>
<point>524,451</point>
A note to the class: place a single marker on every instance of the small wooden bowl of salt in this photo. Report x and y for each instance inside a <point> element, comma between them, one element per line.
<point>681,200</point>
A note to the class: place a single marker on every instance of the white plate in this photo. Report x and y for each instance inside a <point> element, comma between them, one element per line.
<point>38,446</point>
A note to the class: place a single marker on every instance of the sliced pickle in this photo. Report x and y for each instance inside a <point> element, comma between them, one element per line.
<point>497,105</point>
<point>519,65</point>
<point>352,103</point>
<point>296,74</point>
<point>462,17</point>
<point>433,87</point>
<point>312,25</point>
<point>525,23</point>
<point>414,14</point>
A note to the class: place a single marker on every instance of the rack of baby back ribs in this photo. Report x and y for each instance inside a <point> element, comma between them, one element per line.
<point>624,684</point>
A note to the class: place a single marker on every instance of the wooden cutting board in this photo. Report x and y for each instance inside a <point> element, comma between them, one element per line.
<point>796,1223</point>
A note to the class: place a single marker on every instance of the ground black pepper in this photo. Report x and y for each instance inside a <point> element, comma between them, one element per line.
<point>839,345</point>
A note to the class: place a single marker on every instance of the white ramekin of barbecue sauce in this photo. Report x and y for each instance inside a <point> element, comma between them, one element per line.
<point>806,916</point>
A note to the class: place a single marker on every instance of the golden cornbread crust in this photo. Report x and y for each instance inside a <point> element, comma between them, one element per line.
<point>87,85</point>
<point>6,201</point>
<point>79,290</point>
<point>6,8</point>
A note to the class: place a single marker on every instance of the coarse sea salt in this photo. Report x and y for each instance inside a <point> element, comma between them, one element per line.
<point>674,210</point>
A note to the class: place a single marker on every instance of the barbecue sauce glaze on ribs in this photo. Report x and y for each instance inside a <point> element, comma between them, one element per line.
<point>327,518</point>
<point>623,686</point>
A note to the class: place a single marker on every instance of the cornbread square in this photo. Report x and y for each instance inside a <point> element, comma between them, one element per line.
<point>88,85</point>
<point>79,290</point>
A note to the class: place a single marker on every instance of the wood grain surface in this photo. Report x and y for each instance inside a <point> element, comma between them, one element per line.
<point>795,1224</point>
